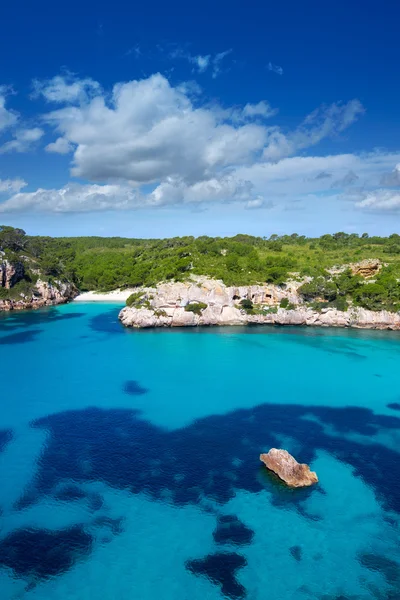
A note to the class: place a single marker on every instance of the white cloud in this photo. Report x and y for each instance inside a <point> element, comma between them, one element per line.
<point>24,140</point>
<point>11,185</point>
<point>202,62</point>
<point>258,203</point>
<point>60,146</point>
<point>93,197</point>
<point>261,109</point>
<point>149,131</point>
<point>296,176</point>
<point>73,198</point>
<point>8,118</point>
<point>275,68</point>
<point>324,122</point>
<point>379,200</point>
<point>217,62</point>
<point>148,135</point>
<point>259,185</point>
<point>66,89</point>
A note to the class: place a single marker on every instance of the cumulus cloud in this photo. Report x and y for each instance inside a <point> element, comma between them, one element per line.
<point>150,144</point>
<point>60,146</point>
<point>8,117</point>
<point>275,68</point>
<point>149,131</point>
<point>380,201</point>
<point>65,89</point>
<point>8,186</point>
<point>391,179</point>
<point>24,140</point>
<point>73,198</point>
<point>93,197</point>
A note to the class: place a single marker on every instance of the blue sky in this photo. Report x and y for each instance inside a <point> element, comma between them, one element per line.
<point>160,119</point>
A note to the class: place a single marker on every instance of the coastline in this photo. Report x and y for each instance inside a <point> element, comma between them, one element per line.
<point>206,302</point>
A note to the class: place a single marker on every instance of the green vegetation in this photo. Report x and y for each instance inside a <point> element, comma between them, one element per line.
<point>284,303</point>
<point>195,307</point>
<point>246,304</point>
<point>103,264</point>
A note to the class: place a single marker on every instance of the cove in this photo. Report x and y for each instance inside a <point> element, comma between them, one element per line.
<point>129,460</point>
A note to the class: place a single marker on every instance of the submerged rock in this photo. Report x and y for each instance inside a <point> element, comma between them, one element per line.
<point>288,469</point>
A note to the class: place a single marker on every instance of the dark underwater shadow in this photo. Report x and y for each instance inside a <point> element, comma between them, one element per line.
<point>40,553</point>
<point>5,437</point>
<point>21,337</point>
<point>118,447</point>
<point>209,460</point>
<point>34,317</point>
<point>107,322</point>
<point>133,388</point>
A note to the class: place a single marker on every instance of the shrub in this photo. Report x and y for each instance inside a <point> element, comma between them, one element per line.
<point>135,299</point>
<point>371,296</point>
<point>271,310</point>
<point>246,304</point>
<point>284,303</point>
<point>340,303</point>
<point>277,275</point>
<point>195,307</point>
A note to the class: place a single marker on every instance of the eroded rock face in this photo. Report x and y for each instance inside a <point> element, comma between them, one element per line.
<point>10,273</point>
<point>167,308</point>
<point>44,294</point>
<point>366,268</point>
<point>288,469</point>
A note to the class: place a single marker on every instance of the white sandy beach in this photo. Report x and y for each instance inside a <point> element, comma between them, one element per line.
<point>118,296</point>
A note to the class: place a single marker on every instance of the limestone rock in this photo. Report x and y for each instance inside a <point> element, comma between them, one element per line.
<point>44,294</point>
<point>366,268</point>
<point>288,469</point>
<point>10,273</point>
<point>168,300</point>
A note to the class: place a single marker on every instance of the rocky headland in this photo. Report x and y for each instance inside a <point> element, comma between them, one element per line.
<point>202,301</point>
<point>41,293</point>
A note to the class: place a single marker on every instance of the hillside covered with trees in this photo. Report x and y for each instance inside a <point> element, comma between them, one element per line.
<point>97,263</point>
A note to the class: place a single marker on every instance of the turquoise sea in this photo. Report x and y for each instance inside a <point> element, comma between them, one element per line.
<point>129,461</point>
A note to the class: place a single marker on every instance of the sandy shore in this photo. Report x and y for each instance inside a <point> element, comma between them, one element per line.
<point>118,296</point>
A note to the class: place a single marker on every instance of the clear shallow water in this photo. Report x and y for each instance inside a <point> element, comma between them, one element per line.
<point>129,461</point>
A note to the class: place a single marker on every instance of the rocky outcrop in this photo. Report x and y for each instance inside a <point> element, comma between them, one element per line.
<point>10,273</point>
<point>44,294</point>
<point>165,307</point>
<point>359,318</point>
<point>366,268</point>
<point>288,469</point>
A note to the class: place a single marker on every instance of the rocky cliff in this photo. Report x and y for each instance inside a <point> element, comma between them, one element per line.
<point>41,293</point>
<point>174,305</point>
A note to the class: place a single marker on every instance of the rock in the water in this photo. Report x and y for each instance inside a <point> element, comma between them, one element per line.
<point>288,469</point>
